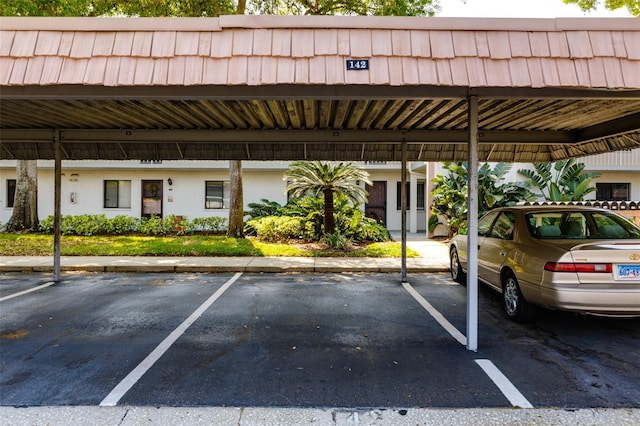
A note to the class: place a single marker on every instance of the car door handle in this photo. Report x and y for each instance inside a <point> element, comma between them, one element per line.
<point>503,253</point>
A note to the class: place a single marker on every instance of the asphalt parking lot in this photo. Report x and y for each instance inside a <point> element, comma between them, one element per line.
<point>298,340</point>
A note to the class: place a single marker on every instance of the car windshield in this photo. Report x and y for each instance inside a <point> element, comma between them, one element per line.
<point>580,224</point>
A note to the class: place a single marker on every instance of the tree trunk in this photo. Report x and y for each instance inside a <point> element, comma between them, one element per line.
<point>329,221</point>
<point>236,210</point>
<point>25,205</point>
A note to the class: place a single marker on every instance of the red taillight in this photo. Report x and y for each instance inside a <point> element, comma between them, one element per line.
<point>578,267</point>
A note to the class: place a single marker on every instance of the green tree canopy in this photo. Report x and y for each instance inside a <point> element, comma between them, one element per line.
<point>560,181</point>
<point>633,6</point>
<point>317,179</point>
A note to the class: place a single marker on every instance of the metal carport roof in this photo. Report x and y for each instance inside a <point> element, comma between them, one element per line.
<point>283,87</point>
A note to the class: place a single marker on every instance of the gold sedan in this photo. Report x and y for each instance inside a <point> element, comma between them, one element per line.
<point>571,258</point>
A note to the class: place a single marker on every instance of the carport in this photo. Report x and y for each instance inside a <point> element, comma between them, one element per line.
<point>320,88</point>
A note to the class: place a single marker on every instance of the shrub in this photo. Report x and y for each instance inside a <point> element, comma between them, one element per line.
<point>209,224</point>
<point>336,240</point>
<point>277,228</point>
<point>156,225</point>
<point>122,224</point>
<point>264,208</point>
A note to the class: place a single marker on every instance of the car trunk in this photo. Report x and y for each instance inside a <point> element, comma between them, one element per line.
<point>623,255</point>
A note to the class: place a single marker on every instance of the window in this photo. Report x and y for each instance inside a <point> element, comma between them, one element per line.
<point>612,191</point>
<point>117,194</point>
<point>11,192</point>
<point>485,222</point>
<point>503,228</point>
<point>216,195</point>
<point>420,199</point>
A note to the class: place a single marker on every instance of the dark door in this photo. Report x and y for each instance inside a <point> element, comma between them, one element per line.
<point>376,207</point>
<point>151,198</point>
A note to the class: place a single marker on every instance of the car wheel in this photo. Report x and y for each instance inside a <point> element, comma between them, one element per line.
<point>513,302</point>
<point>457,274</point>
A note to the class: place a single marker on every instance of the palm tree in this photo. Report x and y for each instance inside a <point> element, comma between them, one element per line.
<point>317,178</point>
<point>564,180</point>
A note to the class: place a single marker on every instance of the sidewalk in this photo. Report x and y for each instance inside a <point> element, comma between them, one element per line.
<point>434,257</point>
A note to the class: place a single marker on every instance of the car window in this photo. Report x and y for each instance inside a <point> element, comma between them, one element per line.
<point>484,224</point>
<point>580,225</point>
<point>503,227</point>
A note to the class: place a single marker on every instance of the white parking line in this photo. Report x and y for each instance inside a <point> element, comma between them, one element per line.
<point>506,387</point>
<point>500,380</point>
<point>454,332</point>
<point>132,378</point>
<point>11,296</point>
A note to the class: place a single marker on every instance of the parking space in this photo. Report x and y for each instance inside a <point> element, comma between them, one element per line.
<point>295,340</point>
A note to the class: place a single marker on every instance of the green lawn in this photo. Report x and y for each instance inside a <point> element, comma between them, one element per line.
<point>195,245</point>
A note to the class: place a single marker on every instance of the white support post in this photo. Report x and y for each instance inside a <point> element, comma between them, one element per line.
<point>56,205</point>
<point>413,202</point>
<point>472,236</point>
<point>403,210</point>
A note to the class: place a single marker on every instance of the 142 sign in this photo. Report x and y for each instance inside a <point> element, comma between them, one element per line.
<point>357,64</point>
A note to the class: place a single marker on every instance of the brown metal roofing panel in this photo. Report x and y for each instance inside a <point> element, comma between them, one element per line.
<point>269,70</point>
<point>237,70</point>
<point>95,70</point>
<point>204,44</point>
<point>558,44</point>
<point>48,43</point>
<point>496,72</point>
<point>519,43</point>
<point>519,71</point>
<point>579,44</point>
<point>549,71</point>
<point>410,73</point>
<point>420,45</point>
<point>302,45</point>
<point>395,71</point>
<point>441,44</point>
<point>428,72</point>
<point>187,43</point>
<point>464,43</point>
<point>459,71</point>
<point>123,43</point>
<point>164,44</point>
<point>326,42</point>
<point>144,71</point>
<point>401,42</point>
<point>317,73</point>
<point>141,45</point>
<point>476,73</point>
<point>598,77</point>
<point>222,44</point>
<point>632,43</point>
<point>254,65</point>
<point>444,72</point>
<point>215,71</point>
<point>613,72</point>
<point>51,70</point>
<point>127,71</point>
<point>482,44</point>
<point>499,47</point>
<point>111,71</point>
<point>302,70</point>
<point>262,42</point>
<point>24,44</point>
<point>539,44</point>
<point>582,72</point>
<point>602,43</point>
<point>360,43</point>
<point>6,41</point>
<point>176,70</point>
<point>566,72</point>
<point>281,43</point>
<point>160,71</point>
<point>379,70</point>
<point>335,70</point>
<point>535,72</point>
<point>631,73</point>
<point>242,42</point>
<point>103,45</point>
<point>6,67</point>
<point>617,39</point>
<point>33,74</point>
<point>381,43</point>
<point>344,42</point>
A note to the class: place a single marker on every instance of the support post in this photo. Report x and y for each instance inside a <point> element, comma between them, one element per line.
<point>472,227</point>
<point>56,205</point>
<point>403,209</point>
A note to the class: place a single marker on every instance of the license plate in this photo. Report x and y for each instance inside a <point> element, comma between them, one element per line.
<point>628,272</point>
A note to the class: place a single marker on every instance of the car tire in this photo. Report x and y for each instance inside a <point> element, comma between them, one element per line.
<point>514,304</point>
<point>457,274</point>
